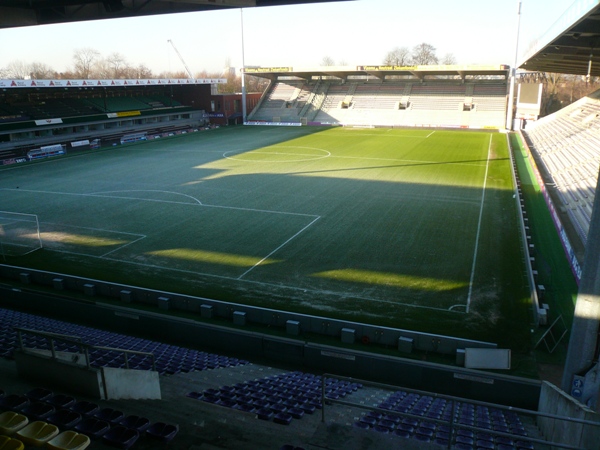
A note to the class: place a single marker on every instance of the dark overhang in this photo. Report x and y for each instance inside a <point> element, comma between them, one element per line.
<point>570,44</point>
<point>21,13</point>
<point>381,72</point>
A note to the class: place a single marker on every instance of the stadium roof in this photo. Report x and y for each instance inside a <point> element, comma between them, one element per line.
<point>381,71</point>
<point>568,45</point>
<point>20,13</point>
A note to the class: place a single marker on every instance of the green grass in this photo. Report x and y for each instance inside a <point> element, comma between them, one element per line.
<point>553,268</point>
<point>404,228</point>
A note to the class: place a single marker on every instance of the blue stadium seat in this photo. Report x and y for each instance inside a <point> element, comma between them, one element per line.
<point>282,418</point>
<point>60,401</point>
<point>65,419</point>
<point>38,410</point>
<point>162,431</point>
<point>265,413</point>
<point>85,408</point>
<point>39,394</point>
<point>13,402</point>
<point>121,437</point>
<point>92,427</point>
<point>361,425</point>
<point>110,415</point>
<point>134,422</point>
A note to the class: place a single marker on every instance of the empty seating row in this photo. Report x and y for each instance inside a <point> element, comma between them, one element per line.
<point>37,417</point>
<point>280,398</point>
<point>428,419</point>
<point>169,359</point>
<point>566,144</point>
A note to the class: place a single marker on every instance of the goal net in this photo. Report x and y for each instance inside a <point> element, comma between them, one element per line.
<point>19,233</point>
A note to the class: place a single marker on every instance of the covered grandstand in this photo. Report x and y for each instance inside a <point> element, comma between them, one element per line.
<point>421,96</point>
<point>40,113</point>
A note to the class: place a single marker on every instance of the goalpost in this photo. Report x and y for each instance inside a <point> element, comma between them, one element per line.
<point>19,233</point>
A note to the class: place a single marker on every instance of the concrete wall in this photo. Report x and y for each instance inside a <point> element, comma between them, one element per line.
<point>382,336</point>
<point>130,384</point>
<point>69,376</point>
<point>395,370</point>
<point>557,402</point>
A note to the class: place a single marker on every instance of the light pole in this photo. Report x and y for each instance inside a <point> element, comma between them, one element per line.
<point>513,75</point>
<point>243,69</point>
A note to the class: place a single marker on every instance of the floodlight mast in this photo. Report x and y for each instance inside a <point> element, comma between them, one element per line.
<point>187,69</point>
<point>513,75</point>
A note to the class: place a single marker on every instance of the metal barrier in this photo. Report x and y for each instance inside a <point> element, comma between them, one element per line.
<point>451,423</point>
<point>83,347</point>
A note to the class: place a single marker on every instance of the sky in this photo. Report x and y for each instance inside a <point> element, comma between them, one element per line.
<point>358,32</point>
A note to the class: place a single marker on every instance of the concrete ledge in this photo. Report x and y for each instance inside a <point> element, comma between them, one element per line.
<point>206,311</point>
<point>292,327</point>
<point>126,296</point>
<point>58,284</point>
<point>348,335</point>
<point>405,344</point>
<point>89,289</point>
<point>239,318</point>
<point>164,303</point>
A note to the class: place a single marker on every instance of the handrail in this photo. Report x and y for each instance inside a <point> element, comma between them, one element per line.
<point>84,348</point>
<point>453,426</point>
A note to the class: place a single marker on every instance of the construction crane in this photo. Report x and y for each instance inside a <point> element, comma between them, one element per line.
<point>187,69</point>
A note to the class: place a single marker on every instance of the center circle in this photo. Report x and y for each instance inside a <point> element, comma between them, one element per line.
<point>279,153</point>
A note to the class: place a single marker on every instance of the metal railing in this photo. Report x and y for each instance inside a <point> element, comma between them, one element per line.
<point>454,427</point>
<point>83,347</point>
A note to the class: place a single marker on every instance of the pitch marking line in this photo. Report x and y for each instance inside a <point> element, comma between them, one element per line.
<point>104,230</point>
<point>350,131</point>
<point>99,195</point>
<point>277,249</point>
<point>123,246</point>
<point>265,151</point>
<point>147,190</point>
<point>415,161</point>
<point>479,227</point>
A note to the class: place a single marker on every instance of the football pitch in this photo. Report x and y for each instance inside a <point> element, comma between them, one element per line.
<point>409,228</point>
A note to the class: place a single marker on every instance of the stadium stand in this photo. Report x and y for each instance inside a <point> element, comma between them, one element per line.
<point>169,359</point>
<point>567,148</point>
<point>41,417</point>
<point>394,102</point>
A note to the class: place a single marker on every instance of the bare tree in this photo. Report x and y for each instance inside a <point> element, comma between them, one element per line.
<point>448,59</point>
<point>424,55</point>
<point>117,64</point>
<point>142,71</point>
<point>101,70</point>
<point>18,70</point>
<point>41,71</point>
<point>83,60</point>
<point>169,74</point>
<point>398,56</point>
<point>327,61</point>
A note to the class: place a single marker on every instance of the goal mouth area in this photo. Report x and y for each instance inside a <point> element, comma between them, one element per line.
<point>19,233</point>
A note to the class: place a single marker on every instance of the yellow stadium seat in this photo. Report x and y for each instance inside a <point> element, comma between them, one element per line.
<point>7,443</point>
<point>11,422</point>
<point>37,434</point>
<point>68,440</point>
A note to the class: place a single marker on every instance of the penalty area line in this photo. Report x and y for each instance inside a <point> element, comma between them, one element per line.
<point>278,248</point>
<point>487,165</point>
<point>123,246</point>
